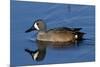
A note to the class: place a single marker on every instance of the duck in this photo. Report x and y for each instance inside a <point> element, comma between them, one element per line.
<point>60,34</point>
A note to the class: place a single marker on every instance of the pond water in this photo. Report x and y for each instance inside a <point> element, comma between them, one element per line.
<point>23,14</point>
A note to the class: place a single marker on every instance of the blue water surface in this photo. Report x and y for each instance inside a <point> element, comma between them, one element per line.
<point>23,14</point>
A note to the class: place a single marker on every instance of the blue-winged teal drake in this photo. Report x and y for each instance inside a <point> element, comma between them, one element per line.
<point>61,34</point>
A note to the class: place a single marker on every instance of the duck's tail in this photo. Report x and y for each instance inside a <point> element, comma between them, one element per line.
<point>79,35</point>
<point>76,29</point>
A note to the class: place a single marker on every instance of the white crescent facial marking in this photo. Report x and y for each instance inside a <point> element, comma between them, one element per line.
<point>36,55</point>
<point>76,36</point>
<point>36,26</point>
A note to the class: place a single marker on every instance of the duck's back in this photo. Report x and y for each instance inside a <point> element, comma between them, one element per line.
<point>65,29</point>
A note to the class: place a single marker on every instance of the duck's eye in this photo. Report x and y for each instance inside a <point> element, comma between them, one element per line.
<point>37,23</point>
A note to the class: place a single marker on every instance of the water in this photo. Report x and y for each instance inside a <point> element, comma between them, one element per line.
<point>23,14</point>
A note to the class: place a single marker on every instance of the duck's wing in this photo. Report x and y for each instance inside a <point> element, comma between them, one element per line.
<point>65,29</point>
<point>76,29</point>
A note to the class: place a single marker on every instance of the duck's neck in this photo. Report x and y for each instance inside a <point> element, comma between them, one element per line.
<point>43,30</point>
<point>42,35</point>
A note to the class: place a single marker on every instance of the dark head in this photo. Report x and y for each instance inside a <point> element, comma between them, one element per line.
<point>38,25</point>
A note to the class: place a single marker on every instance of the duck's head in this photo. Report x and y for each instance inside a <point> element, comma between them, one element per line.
<point>38,25</point>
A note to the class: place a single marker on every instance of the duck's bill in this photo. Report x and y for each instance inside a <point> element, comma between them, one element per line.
<point>29,30</point>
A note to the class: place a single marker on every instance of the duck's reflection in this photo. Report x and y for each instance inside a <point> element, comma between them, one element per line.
<point>40,53</point>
